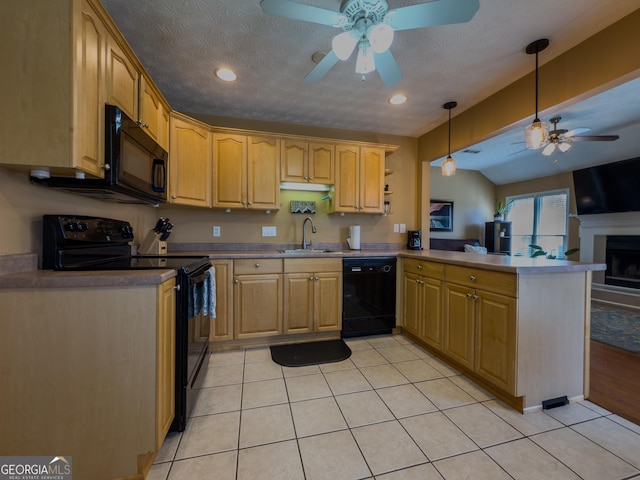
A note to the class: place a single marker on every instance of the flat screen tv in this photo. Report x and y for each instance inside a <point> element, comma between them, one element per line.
<point>610,188</point>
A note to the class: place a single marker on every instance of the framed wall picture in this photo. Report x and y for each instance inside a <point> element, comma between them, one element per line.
<point>441,216</point>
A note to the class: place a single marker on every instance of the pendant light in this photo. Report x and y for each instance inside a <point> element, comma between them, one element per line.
<point>536,135</point>
<point>449,163</point>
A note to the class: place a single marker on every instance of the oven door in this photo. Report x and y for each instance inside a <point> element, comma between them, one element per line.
<point>192,342</point>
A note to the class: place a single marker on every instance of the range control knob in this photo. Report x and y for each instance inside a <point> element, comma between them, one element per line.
<point>386,268</point>
<point>70,227</point>
<point>126,231</point>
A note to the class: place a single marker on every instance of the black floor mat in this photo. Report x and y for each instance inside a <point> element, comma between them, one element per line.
<point>313,353</point>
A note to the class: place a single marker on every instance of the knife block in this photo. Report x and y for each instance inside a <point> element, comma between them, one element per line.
<point>152,245</point>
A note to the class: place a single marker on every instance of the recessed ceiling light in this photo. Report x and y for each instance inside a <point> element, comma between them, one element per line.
<point>398,99</point>
<point>226,74</point>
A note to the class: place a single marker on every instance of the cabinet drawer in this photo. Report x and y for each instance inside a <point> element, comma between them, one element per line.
<point>315,265</point>
<point>420,267</point>
<point>492,281</point>
<point>250,266</point>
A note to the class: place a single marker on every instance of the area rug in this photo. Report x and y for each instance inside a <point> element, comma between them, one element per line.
<point>617,327</point>
<point>312,353</point>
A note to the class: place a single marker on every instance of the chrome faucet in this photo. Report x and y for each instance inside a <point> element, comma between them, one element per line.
<point>304,232</point>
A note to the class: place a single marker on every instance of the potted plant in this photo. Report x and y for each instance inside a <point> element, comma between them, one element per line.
<point>501,209</point>
<point>537,251</point>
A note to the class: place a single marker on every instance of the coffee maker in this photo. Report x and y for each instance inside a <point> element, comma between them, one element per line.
<point>414,240</point>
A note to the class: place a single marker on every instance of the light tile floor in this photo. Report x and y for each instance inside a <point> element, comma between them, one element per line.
<point>391,412</point>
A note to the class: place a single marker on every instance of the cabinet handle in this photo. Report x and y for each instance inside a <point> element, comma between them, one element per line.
<point>311,278</point>
<point>106,167</point>
<point>469,295</point>
<point>472,278</point>
<point>177,288</point>
<point>476,297</point>
<point>236,281</point>
<point>306,178</point>
<point>310,178</point>
<point>248,203</point>
<point>317,278</point>
<point>419,267</point>
<point>174,196</point>
<point>257,265</point>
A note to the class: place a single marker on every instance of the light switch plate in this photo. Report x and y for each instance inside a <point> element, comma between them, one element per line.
<point>396,228</point>
<point>268,231</point>
<point>216,231</point>
<point>403,228</point>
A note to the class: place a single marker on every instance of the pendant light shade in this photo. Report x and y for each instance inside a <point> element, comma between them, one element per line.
<point>536,135</point>
<point>449,163</point>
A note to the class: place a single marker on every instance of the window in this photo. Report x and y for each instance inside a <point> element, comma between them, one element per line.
<point>539,219</point>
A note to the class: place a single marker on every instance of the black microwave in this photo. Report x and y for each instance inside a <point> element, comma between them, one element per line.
<point>135,166</point>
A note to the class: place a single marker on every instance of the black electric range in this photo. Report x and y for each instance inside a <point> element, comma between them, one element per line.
<point>83,243</point>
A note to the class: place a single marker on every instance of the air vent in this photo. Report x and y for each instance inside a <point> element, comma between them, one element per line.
<point>469,150</point>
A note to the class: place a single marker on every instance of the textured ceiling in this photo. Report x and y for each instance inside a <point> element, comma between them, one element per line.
<point>181,42</point>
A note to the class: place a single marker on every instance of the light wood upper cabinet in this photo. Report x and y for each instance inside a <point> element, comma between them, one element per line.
<point>359,182</point>
<point>123,80</point>
<point>307,162</point>
<point>154,114</point>
<point>246,171</point>
<point>189,162</point>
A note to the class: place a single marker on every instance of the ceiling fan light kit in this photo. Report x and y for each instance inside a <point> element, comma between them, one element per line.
<point>370,25</point>
<point>449,163</point>
<point>536,134</point>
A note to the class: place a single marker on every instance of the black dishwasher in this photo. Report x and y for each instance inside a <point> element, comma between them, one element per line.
<point>368,296</point>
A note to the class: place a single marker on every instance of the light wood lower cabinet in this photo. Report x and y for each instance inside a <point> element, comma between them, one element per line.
<point>520,334</point>
<point>257,297</point>
<point>97,382</point>
<point>222,325</point>
<point>423,300</point>
<point>312,295</point>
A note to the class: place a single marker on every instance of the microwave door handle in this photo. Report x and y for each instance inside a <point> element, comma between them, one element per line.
<point>158,172</point>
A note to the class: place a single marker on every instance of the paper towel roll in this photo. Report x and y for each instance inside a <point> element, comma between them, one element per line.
<point>354,237</point>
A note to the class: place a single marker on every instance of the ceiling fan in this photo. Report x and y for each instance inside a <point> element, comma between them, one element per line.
<point>370,25</point>
<point>560,139</point>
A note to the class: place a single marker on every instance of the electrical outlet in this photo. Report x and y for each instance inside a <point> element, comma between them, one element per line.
<point>403,228</point>
<point>216,231</point>
<point>396,228</point>
<point>268,231</point>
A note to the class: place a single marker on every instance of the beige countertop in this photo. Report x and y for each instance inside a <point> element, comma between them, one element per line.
<point>18,271</point>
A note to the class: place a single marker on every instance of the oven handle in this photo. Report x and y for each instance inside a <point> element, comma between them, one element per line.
<point>200,278</point>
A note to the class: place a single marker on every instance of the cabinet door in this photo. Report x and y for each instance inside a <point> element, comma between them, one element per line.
<point>222,325</point>
<point>321,163</point>
<point>347,193</point>
<point>371,180</point>
<point>229,170</point>
<point>294,161</point>
<point>189,164</point>
<point>459,324</point>
<point>263,173</point>
<point>495,339</point>
<point>298,302</point>
<point>153,116</point>
<point>257,303</point>
<point>412,303</point>
<point>88,124</point>
<point>122,80</point>
<point>165,360</point>
<point>327,301</point>
<point>432,318</point>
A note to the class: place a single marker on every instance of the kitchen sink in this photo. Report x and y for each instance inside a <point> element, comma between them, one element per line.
<point>304,250</point>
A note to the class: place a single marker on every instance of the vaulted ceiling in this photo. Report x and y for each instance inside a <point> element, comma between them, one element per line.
<point>180,43</point>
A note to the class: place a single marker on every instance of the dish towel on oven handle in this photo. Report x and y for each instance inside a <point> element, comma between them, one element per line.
<point>209,301</point>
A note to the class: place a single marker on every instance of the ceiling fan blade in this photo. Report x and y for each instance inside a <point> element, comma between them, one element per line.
<point>437,12</point>
<point>301,11</point>
<point>321,69</point>
<point>576,131</point>
<point>595,138</point>
<point>388,68</point>
<point>549,149</point>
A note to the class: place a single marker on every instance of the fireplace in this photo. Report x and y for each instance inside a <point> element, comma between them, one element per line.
<point>623,261</point>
